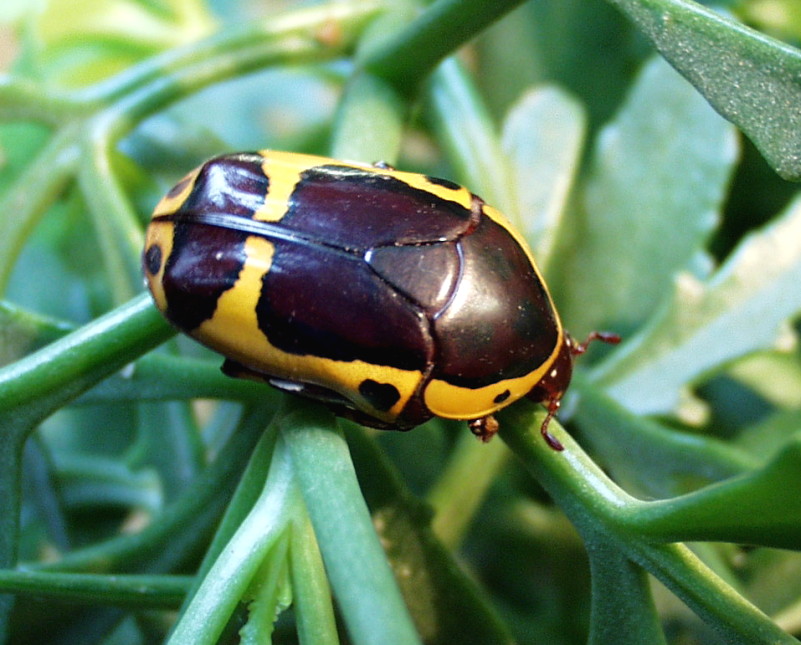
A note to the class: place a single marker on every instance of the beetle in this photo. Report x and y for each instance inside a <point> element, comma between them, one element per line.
<point>390,296</point>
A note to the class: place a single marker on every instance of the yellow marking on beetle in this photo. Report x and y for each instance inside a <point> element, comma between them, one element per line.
<point>161,235</point>
<point>283,172</point>
<point>454,402</point>
<point>460,195</point>
<point>234,332</point>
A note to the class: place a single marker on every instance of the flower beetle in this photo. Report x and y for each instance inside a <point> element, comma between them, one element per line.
<point>390,296</point>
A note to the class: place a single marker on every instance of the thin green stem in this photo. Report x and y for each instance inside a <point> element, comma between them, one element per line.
<point>22,100</point>
<point>32,388</point>
<point>467,131</point>
<point>314,611</point>
<point>229,577</point>
<point>24,204</point>
<point>163,377</point>
<point>11,445</point>
<point>413,53</point>
<point>655,457</point>
<point>462,486</point>
<point>734,619</point>
<point>250,488</point>
<point>602,512</point>
<point>368,99</point>
<point>135,591</point>
<point>239,48</point>
<point>115,221</point>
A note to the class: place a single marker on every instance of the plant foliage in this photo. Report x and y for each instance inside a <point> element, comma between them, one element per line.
<point>145,497</point>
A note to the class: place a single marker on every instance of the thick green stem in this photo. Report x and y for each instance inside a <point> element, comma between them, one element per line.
<point>411,55</point>
<point>11,445</point>
<point>368,595</point>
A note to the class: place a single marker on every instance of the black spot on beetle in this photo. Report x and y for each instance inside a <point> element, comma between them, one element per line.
<point>502,397</point>
<point>382,396</point>
<point>153,257</point>
<point>446,183</point>
<point>179,187</point>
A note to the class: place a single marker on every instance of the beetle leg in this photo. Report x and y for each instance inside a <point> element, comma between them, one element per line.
<point>608,337</point>
<point>553,408</point>
<point>485,428</point>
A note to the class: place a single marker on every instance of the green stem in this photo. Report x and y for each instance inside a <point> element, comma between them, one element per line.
<point>411,55</point>
<point>460,489</point>
<point>163,377</point>
<point>116,225</point>
<point>22,100</point>
<point>368,595</point>
<point>734,619</point>
<point>603,513</point>
<point>229,577</point>
<point>32,388</point>
<point>368,100</point>
<point>250,488</point>
<point>467,131</point>
<point>11,445</point>
<point>32,193</point>
<point>135,591</point>
<point>314,612</point>
<point>298,35</point>
<point>657,457</point>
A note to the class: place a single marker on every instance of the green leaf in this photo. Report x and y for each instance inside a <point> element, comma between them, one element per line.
<point>751,79</point>
<point>649,458</point>
<point>543,135</point>
<point>742,308</point>
<point>754,508</point>
<point>658,178</point>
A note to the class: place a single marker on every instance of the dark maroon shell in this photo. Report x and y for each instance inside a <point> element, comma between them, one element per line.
<point>366,267</point>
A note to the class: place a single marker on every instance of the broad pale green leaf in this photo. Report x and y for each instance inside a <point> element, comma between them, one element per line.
<point>542,137</point>
<point>751,79</point>
<point>775,376</point>
<point>658,177</point>
<point>740,309</point>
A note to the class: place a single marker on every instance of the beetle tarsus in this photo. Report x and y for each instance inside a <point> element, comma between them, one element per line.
<point>553,442</point>
<point>485,428</point>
